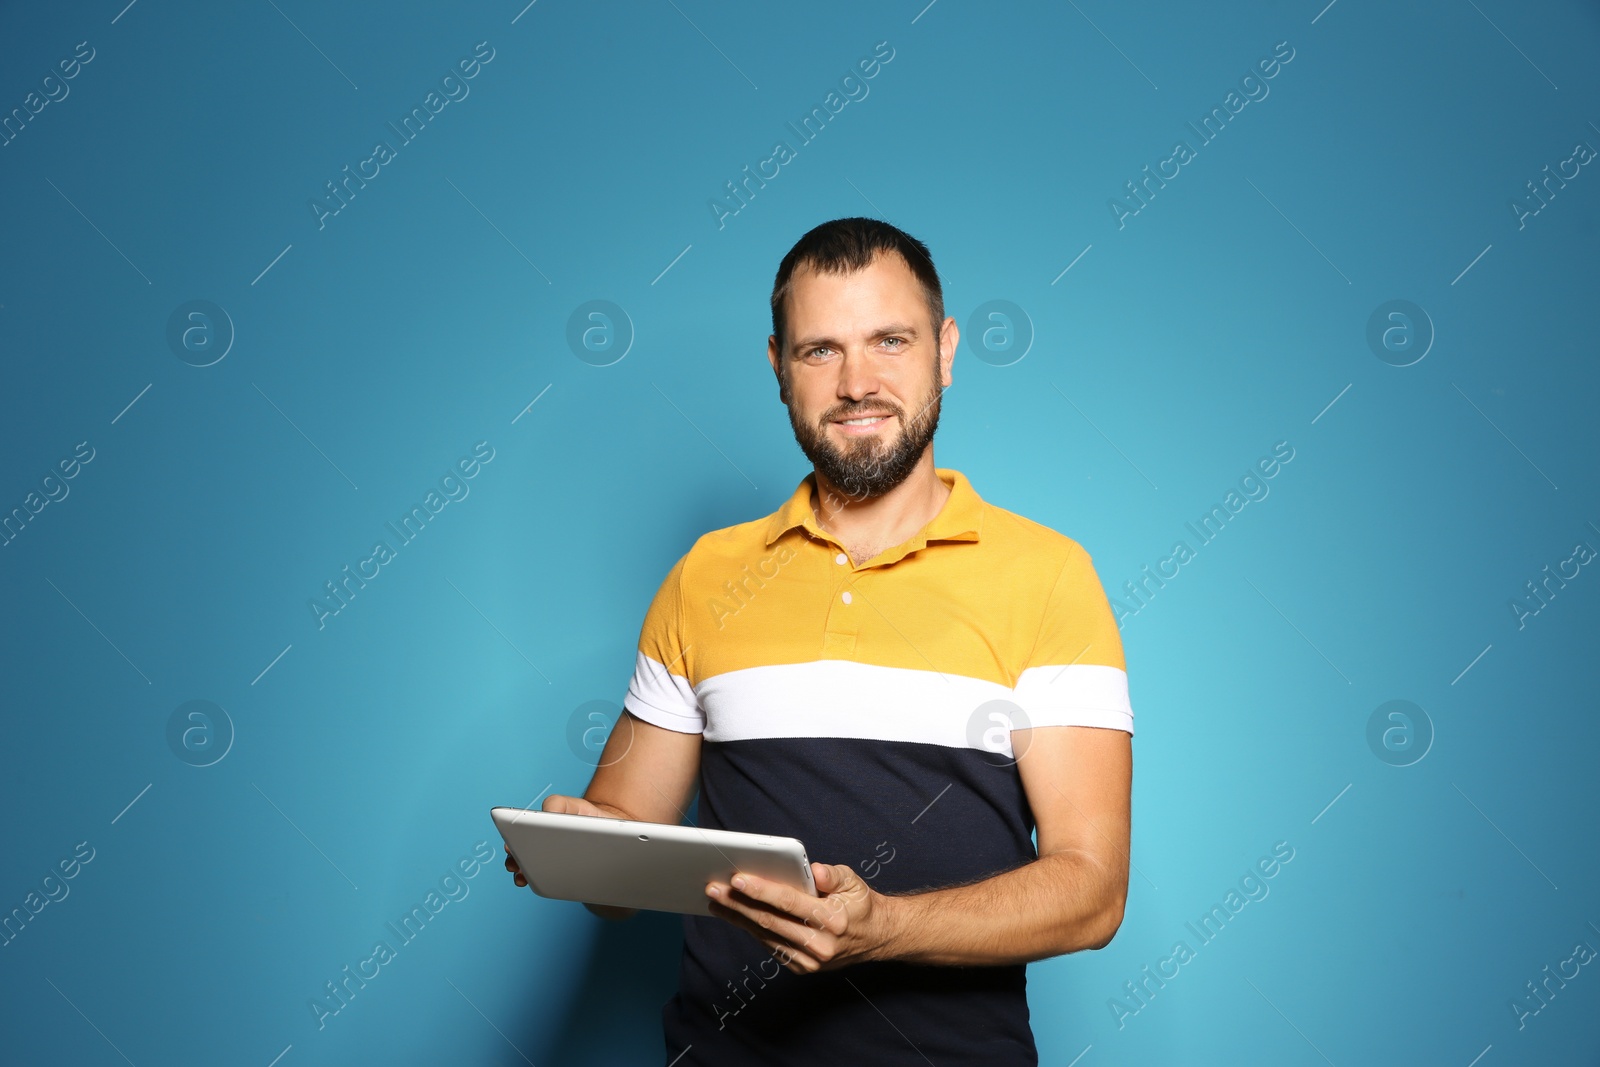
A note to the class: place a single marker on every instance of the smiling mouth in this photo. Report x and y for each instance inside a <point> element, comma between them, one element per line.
<point>863,420</point>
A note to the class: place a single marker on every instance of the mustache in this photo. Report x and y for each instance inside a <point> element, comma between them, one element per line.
<point>861,413</point>
<point>893,410</point>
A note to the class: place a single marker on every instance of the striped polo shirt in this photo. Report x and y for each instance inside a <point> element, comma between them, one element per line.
<point>866,709</point>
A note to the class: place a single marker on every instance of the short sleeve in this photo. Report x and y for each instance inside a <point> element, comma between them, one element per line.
<point>659,692</point>
<point>1075,675</point>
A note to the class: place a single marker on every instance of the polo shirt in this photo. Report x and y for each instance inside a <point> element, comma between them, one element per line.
<point>865,709</point>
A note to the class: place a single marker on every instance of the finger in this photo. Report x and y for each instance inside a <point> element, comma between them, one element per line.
<point>749,906</point>
<point>773,894</point>
<point>562,804</point>
<point>819,913</point>
<point>823,913</point>
<point>797,962</point>
<point>768,920</point>
<point>789,955</point>
<point>743,918</point>
<point>797,965</point>
<point>834,878</point>
<point>807,912</point>
<point>822,875</point>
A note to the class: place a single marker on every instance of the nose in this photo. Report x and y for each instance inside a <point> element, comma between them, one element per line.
<point>858,377</point>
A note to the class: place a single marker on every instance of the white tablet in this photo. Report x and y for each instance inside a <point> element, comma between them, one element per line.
<point>653,866</point>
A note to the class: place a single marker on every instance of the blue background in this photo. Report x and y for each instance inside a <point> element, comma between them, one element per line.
<point>370,353</point>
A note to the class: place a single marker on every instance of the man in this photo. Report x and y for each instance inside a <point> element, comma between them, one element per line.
<point>906,678</point>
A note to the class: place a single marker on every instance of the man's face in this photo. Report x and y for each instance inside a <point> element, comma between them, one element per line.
<point>862,346</point>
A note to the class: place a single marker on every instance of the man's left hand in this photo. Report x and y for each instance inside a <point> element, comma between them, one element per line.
<point>847,921</point>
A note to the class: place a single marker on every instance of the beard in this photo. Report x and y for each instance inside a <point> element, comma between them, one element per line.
<point>870,466</point>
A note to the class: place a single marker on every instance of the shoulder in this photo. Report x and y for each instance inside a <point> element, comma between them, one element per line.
<point>715,554</point>
<point>1017,536</point>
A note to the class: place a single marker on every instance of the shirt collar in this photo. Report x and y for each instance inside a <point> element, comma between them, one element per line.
<point>959,519</point>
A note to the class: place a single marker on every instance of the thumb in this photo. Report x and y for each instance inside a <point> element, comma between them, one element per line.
<point>822,875</point>
<point>831,878</point>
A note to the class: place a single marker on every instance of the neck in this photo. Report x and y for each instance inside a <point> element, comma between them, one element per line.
<point>873,524</point>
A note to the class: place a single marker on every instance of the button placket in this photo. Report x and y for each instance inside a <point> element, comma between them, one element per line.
<point>839,641</point>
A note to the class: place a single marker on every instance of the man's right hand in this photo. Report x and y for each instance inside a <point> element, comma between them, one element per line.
<point>566,805</point>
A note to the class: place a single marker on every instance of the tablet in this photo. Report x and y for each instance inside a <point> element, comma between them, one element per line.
<point>647,865</point>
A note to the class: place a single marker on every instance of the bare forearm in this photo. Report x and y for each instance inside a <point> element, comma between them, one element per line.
<point>1059,903</point>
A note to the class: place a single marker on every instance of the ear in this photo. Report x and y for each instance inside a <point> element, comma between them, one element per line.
<point>773,358</point>
<point>949,337</point>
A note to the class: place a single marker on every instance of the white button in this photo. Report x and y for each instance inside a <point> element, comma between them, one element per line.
<point>839,558</point>
<point>847,596</point>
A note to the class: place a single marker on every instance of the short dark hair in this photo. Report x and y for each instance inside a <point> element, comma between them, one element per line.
<point>844,246</point>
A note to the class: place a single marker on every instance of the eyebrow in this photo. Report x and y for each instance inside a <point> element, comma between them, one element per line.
<point>892,329</point>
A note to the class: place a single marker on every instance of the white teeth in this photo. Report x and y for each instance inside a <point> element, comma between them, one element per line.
<point>864,422</point>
